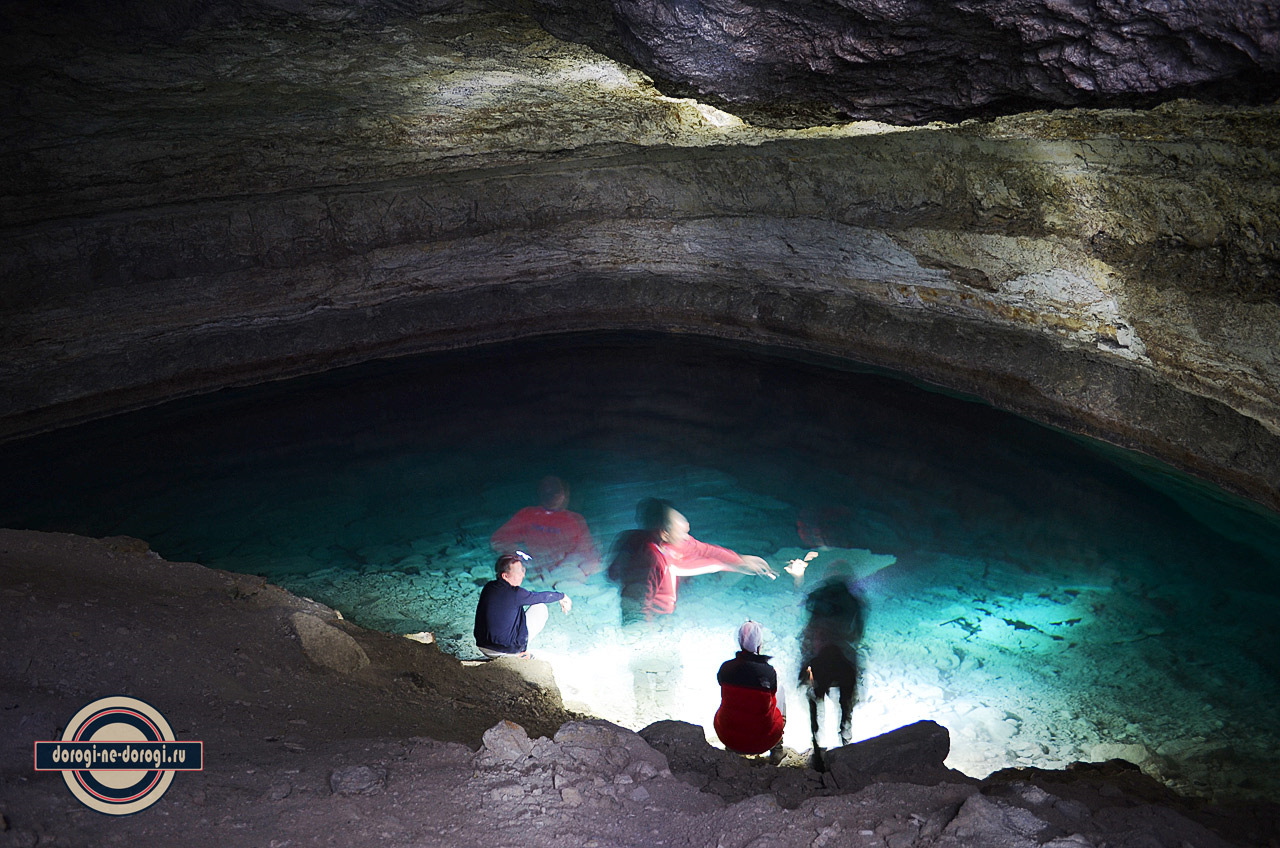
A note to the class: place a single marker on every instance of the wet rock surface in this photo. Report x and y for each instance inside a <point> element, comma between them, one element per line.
<point>309,757</point>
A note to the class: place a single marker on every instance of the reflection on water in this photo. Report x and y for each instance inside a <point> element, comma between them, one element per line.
<point>1049,599</point>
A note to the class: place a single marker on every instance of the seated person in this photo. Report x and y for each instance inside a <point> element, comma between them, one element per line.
<point>557,540</point>
<point>752,710</point>
<point>646,562</point>
<point>502,626</point>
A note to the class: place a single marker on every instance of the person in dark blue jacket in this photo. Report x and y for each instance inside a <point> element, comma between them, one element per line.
<point>503,628</point>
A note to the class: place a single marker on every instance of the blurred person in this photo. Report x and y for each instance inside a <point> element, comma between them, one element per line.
<point>829,653</point>
<point>647,562</point>
<point>753,710</point>
<point>557,540</point>
<point>503,626</point>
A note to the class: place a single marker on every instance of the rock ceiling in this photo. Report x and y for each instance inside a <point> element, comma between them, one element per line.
<point>202,194</point>
<point>908,61</point>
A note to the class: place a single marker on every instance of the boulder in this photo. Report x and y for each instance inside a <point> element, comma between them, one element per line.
<point>358,780</point>
<point>984,823</point>
<point>613,749</point>
<point>326,645</point>
<point>730,776</point>
<point>911,754</point>
<point>505,743</point>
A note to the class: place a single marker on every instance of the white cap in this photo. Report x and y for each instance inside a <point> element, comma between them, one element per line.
<point>751,636</point>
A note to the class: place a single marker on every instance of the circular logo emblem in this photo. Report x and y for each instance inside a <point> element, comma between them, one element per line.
<point>125,725</point>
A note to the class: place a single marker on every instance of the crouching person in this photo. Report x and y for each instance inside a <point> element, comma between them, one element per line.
<point>503,628</point>
<point>752,710</point>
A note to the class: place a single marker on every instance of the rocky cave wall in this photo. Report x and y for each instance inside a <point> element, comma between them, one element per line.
<point>227,194</point>
<point>909,61</point>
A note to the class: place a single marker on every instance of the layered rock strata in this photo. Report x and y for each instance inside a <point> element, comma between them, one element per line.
<point>272,197</point>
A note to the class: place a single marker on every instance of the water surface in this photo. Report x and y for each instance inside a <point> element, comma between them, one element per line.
<point>1046,598</point>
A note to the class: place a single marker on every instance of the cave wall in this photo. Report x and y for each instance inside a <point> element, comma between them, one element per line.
<point>256,200</point>
<point>910,61</point>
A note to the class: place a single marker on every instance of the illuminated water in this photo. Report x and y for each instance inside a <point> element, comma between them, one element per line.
<point>1046,599</point>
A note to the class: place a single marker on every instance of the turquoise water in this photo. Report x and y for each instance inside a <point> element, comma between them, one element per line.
<point>1046,598</point>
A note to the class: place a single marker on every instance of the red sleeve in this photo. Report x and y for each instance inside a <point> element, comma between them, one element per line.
<point>693,550</point>
<point>694,557</point>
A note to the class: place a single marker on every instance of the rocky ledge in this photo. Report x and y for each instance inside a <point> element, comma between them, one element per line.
<point>317,732</point>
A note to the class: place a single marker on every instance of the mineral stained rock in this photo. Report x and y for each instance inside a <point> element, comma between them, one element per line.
<point>908,61</point>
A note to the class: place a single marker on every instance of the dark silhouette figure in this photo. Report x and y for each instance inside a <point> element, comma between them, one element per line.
<point>829,654</point>
<point>632,566</point>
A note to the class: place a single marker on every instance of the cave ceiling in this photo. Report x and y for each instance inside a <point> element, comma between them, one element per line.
<point>1067,208</point>
<point>910,61</point>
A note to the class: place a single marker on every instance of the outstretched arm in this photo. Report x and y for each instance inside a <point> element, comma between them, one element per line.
<point>757,565</point>
<point>526,598</point>
<point>700,558</point>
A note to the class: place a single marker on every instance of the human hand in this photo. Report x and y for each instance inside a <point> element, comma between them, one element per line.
<point>756,565</point>
<point>796,567</point>
<point>566,604</point>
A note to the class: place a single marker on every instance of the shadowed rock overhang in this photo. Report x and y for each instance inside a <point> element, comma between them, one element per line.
<point>235,198</point>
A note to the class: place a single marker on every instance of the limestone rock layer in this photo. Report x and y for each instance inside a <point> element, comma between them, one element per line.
<point>236,199</point>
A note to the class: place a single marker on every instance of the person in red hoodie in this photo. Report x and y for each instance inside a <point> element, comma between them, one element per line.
<point>752,710</point>
<point>557,540</point>
<point>648,561</point>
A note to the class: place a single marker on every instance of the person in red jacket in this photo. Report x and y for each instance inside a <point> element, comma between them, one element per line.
<point>752,710</point>
<point>648,561</point>
<point>557,540</point>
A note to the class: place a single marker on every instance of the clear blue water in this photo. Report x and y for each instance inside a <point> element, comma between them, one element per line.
<point>1045,597</point>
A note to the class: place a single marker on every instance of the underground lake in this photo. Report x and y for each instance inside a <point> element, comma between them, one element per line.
<point>1046,598</point>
